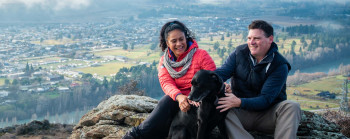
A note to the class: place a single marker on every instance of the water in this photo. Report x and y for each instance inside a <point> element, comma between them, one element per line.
<point>65,118</point>
<point>325,67</point>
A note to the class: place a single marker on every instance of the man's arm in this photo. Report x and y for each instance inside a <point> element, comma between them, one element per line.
<point>269,92</point>
<point>226,70</point>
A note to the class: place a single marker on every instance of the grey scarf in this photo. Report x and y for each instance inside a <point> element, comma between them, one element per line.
<point>185,62</point>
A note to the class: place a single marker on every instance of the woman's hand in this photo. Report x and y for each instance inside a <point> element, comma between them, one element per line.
<point>197,104</point>
<point>183,103</point>
<point>227,88</point>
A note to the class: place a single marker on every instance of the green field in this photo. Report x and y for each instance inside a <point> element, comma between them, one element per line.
<point>2,81</point>
<point>138,54</point>
<point>308,99</point>
<point>144,54</point>
<point>107,69</point>
<point>51,95</point>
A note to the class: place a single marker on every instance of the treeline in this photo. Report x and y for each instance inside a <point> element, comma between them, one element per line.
<point>146,77</point>
<point>324,47</point>
<point>141,80</point>
<point>300,78</point>
<point>301,29</point>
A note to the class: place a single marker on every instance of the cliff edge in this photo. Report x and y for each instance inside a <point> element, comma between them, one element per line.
<point>112,118</point>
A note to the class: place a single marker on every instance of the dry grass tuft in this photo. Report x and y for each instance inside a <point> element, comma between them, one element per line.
<point>340,118</point>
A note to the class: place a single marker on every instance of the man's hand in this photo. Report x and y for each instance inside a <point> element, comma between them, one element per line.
<point>183,103</point>
<point>228,102</point>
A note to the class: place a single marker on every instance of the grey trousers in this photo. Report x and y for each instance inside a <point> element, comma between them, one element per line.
<point>282,120</point>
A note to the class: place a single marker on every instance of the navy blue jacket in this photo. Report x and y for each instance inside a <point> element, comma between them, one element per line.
<point>260,85</point>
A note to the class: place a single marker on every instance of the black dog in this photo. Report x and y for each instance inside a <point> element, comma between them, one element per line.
<point>199,122</point>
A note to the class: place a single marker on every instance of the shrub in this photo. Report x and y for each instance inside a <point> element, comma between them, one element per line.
<point>341,119</point>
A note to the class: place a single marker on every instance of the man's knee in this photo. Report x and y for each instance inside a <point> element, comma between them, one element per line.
<point>294,106</point>
<point>289,107</point>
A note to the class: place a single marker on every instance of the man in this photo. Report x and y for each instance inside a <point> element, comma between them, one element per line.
<point>258,83</point>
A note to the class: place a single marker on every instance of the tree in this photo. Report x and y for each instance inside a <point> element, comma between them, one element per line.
<point>153,46</point>
<point>7,82</point>
<point>304,45</point>
<point>132,46</point>
<point>222,37</point>
<point>15,82</point>
<point>216,45</point>
<point>244,35</point>
<point>31,68</point>
<point>125,46</point>
<point>87,76</point>
<point>105,82</point>
<point>276,39</point>
<point>39,80</point>
<point>344,104</point>
<point>292,51</point>
<point>27,69</point>
<point>131,88</point>
<point>211,38</point>
<point>229,45</point>
<point>302,40</point>
<point>284,38</point>
<point>228,34</point>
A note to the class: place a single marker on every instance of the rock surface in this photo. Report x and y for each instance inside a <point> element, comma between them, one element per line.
<point>37,130</point>
<point>112,118</point>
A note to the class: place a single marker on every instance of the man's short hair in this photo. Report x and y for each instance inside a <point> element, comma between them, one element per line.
<point>263,25</point>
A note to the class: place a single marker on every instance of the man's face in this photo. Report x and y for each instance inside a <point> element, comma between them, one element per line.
<point>258,43</point>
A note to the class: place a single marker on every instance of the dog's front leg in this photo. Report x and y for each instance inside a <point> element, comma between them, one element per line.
<point>203,115</point>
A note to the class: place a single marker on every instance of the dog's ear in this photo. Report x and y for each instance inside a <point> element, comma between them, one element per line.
<point>216,78</point>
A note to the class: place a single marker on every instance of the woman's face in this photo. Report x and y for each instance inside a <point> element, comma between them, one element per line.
<point>176,41</point>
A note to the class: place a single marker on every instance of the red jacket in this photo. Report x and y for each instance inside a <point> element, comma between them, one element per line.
<point>172,87</point>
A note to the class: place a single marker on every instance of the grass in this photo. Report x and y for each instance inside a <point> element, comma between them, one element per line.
<point>52,95</point>
<point>310,101</point>
<point>55,42</point>
<point>331,84</point>
<point>2,81</point>
<point>138,54</point>
<point>105,69</point>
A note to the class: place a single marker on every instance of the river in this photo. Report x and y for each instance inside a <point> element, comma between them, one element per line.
<point>325,67</point>
<point>65,118</point>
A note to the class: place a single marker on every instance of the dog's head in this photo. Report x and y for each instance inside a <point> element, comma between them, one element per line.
<point>204,83</point>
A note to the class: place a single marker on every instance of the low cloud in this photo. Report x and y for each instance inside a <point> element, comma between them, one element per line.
<point>47,4</point>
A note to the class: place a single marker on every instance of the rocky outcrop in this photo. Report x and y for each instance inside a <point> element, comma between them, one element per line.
<point>38,130</point>
<point>112,118</point>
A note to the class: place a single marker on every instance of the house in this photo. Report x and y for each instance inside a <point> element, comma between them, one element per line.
<point>74,85</point>
<point>54,77</point>
<point>4,93</point>
<point>62,89</point>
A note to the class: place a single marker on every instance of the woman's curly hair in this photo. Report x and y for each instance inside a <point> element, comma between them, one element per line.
<point>170,26</point>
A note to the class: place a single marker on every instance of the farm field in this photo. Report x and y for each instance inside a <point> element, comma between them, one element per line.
<point>108,69</point>
<point>142,53</point>
<point>306,94</point>
<point>2,81</point>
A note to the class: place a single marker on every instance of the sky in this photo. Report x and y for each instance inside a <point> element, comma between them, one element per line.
<point>49,10</point>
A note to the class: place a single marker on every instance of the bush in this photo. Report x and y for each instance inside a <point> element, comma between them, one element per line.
<point>341,119</point>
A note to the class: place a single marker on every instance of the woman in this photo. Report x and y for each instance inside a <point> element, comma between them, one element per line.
<point>181,60</point>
